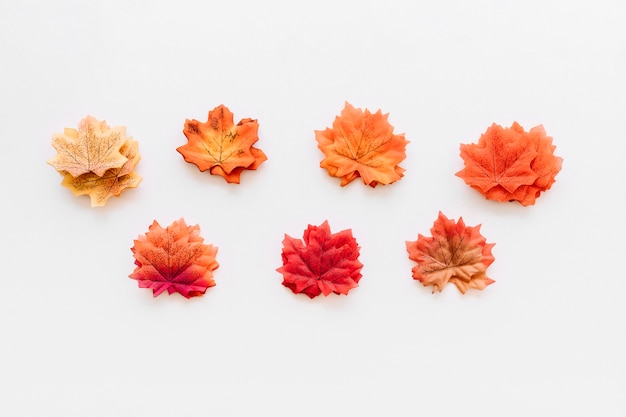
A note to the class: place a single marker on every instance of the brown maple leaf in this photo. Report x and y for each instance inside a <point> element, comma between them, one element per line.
<point>455,253</point>
<point>222,147</point>
<point>112,183</point>
<point>324,263</point>
<point>94,147</point>
<point>509,164</point>
<point>174,259</point>
<point>362,144</point>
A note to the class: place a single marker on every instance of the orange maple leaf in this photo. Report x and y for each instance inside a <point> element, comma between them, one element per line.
<point>362,144</point>
<point>112,183</point>
<point>455,253</point>
<point>94,147</point>
<point>509,164</point>
<point>222,147</point>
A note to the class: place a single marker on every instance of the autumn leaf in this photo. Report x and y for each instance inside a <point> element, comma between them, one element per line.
<point>94,147</point>
<point>96,160</point>
<point>362,144</point>
<point>455,253</point>
<point>174,259</point>
<point>222,147</point>
<point>323,263</point>
<point>112,183</point>
<point>509,164</point>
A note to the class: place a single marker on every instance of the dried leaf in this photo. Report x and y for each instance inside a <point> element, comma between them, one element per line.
<point>455,253</point>
<point>112,183</point>
<point>94,147</point>
<point>509,164</point>
<point>323,263</point>
<point>362,144</point>
<point>174,259</point>
<point>222,147</point>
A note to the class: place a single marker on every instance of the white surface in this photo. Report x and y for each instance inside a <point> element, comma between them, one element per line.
<point>80,339</point>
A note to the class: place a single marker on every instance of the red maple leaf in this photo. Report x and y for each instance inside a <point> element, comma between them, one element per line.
<point>323,263</point>
<point>174,259</point>
<point>510,164</point>
<point>455,253</point>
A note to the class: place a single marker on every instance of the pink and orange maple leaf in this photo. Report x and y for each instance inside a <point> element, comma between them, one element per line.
<point>174,259</point>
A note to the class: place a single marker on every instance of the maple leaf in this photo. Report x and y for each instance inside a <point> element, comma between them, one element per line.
<point>222,147</point>
<point>174,259</point>
<point>455,253</point>
<point>94,147</point>
<point>323,263</point>
<point>362,144</point>
<point>509,164</point>
<point>112,183</point>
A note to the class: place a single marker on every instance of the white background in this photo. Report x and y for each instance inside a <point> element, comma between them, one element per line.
<point>79,338</point>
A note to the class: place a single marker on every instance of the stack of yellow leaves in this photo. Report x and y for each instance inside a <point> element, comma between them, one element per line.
<point>96,160</point>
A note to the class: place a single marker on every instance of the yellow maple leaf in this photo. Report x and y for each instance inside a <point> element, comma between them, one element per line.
<point>112,183</point>
<point>94,147</point>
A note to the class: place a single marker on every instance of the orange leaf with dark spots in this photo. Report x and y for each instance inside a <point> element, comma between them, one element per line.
<point>174,259</point>
<point>510,164</point>
<point>324,263</point>
<point>362,144</point>
<point>220,146</point>
<point>455,253</point>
